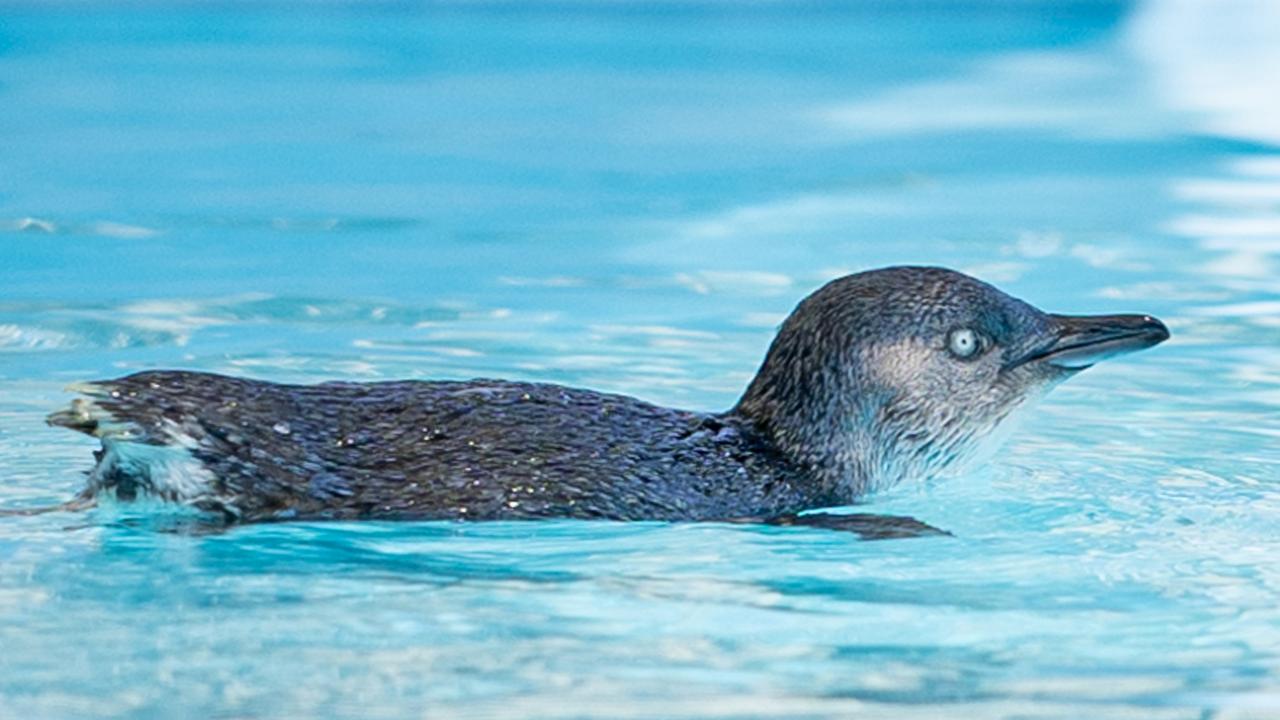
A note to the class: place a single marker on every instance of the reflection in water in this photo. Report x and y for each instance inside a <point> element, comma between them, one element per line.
<point>1218,60</point>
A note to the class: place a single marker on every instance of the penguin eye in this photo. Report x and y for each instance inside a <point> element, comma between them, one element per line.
<point>964,343</point>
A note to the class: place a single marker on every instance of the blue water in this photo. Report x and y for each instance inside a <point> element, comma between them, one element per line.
<point>630,199</point>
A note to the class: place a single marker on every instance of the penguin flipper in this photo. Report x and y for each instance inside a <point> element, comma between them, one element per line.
<point>866,526</point>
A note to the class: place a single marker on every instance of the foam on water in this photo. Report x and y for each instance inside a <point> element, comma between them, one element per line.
<point>631,199</point>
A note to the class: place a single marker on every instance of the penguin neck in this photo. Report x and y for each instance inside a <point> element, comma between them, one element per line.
<point>821,422</point>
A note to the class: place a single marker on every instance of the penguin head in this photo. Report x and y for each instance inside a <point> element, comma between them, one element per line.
<point>898,373</point>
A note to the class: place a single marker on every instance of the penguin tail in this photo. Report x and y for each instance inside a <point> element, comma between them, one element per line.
<point>84,414</point>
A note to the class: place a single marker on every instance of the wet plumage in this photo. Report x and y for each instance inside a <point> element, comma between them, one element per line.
<point>875,378</point>
<point>480,449</point>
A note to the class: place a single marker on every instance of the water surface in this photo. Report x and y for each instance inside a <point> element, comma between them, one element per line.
<point>631,199</point>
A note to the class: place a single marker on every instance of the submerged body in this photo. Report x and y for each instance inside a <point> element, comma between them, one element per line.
<point>482,449</point>
<point>875,378</point>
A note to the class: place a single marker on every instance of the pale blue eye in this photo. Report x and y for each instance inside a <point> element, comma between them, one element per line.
<point>964,343</point>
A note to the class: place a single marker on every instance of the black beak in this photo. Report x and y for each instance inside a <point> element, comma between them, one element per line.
<point>1079,341</point>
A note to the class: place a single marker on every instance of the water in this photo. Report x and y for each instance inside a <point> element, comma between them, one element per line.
<point>630,199</point>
